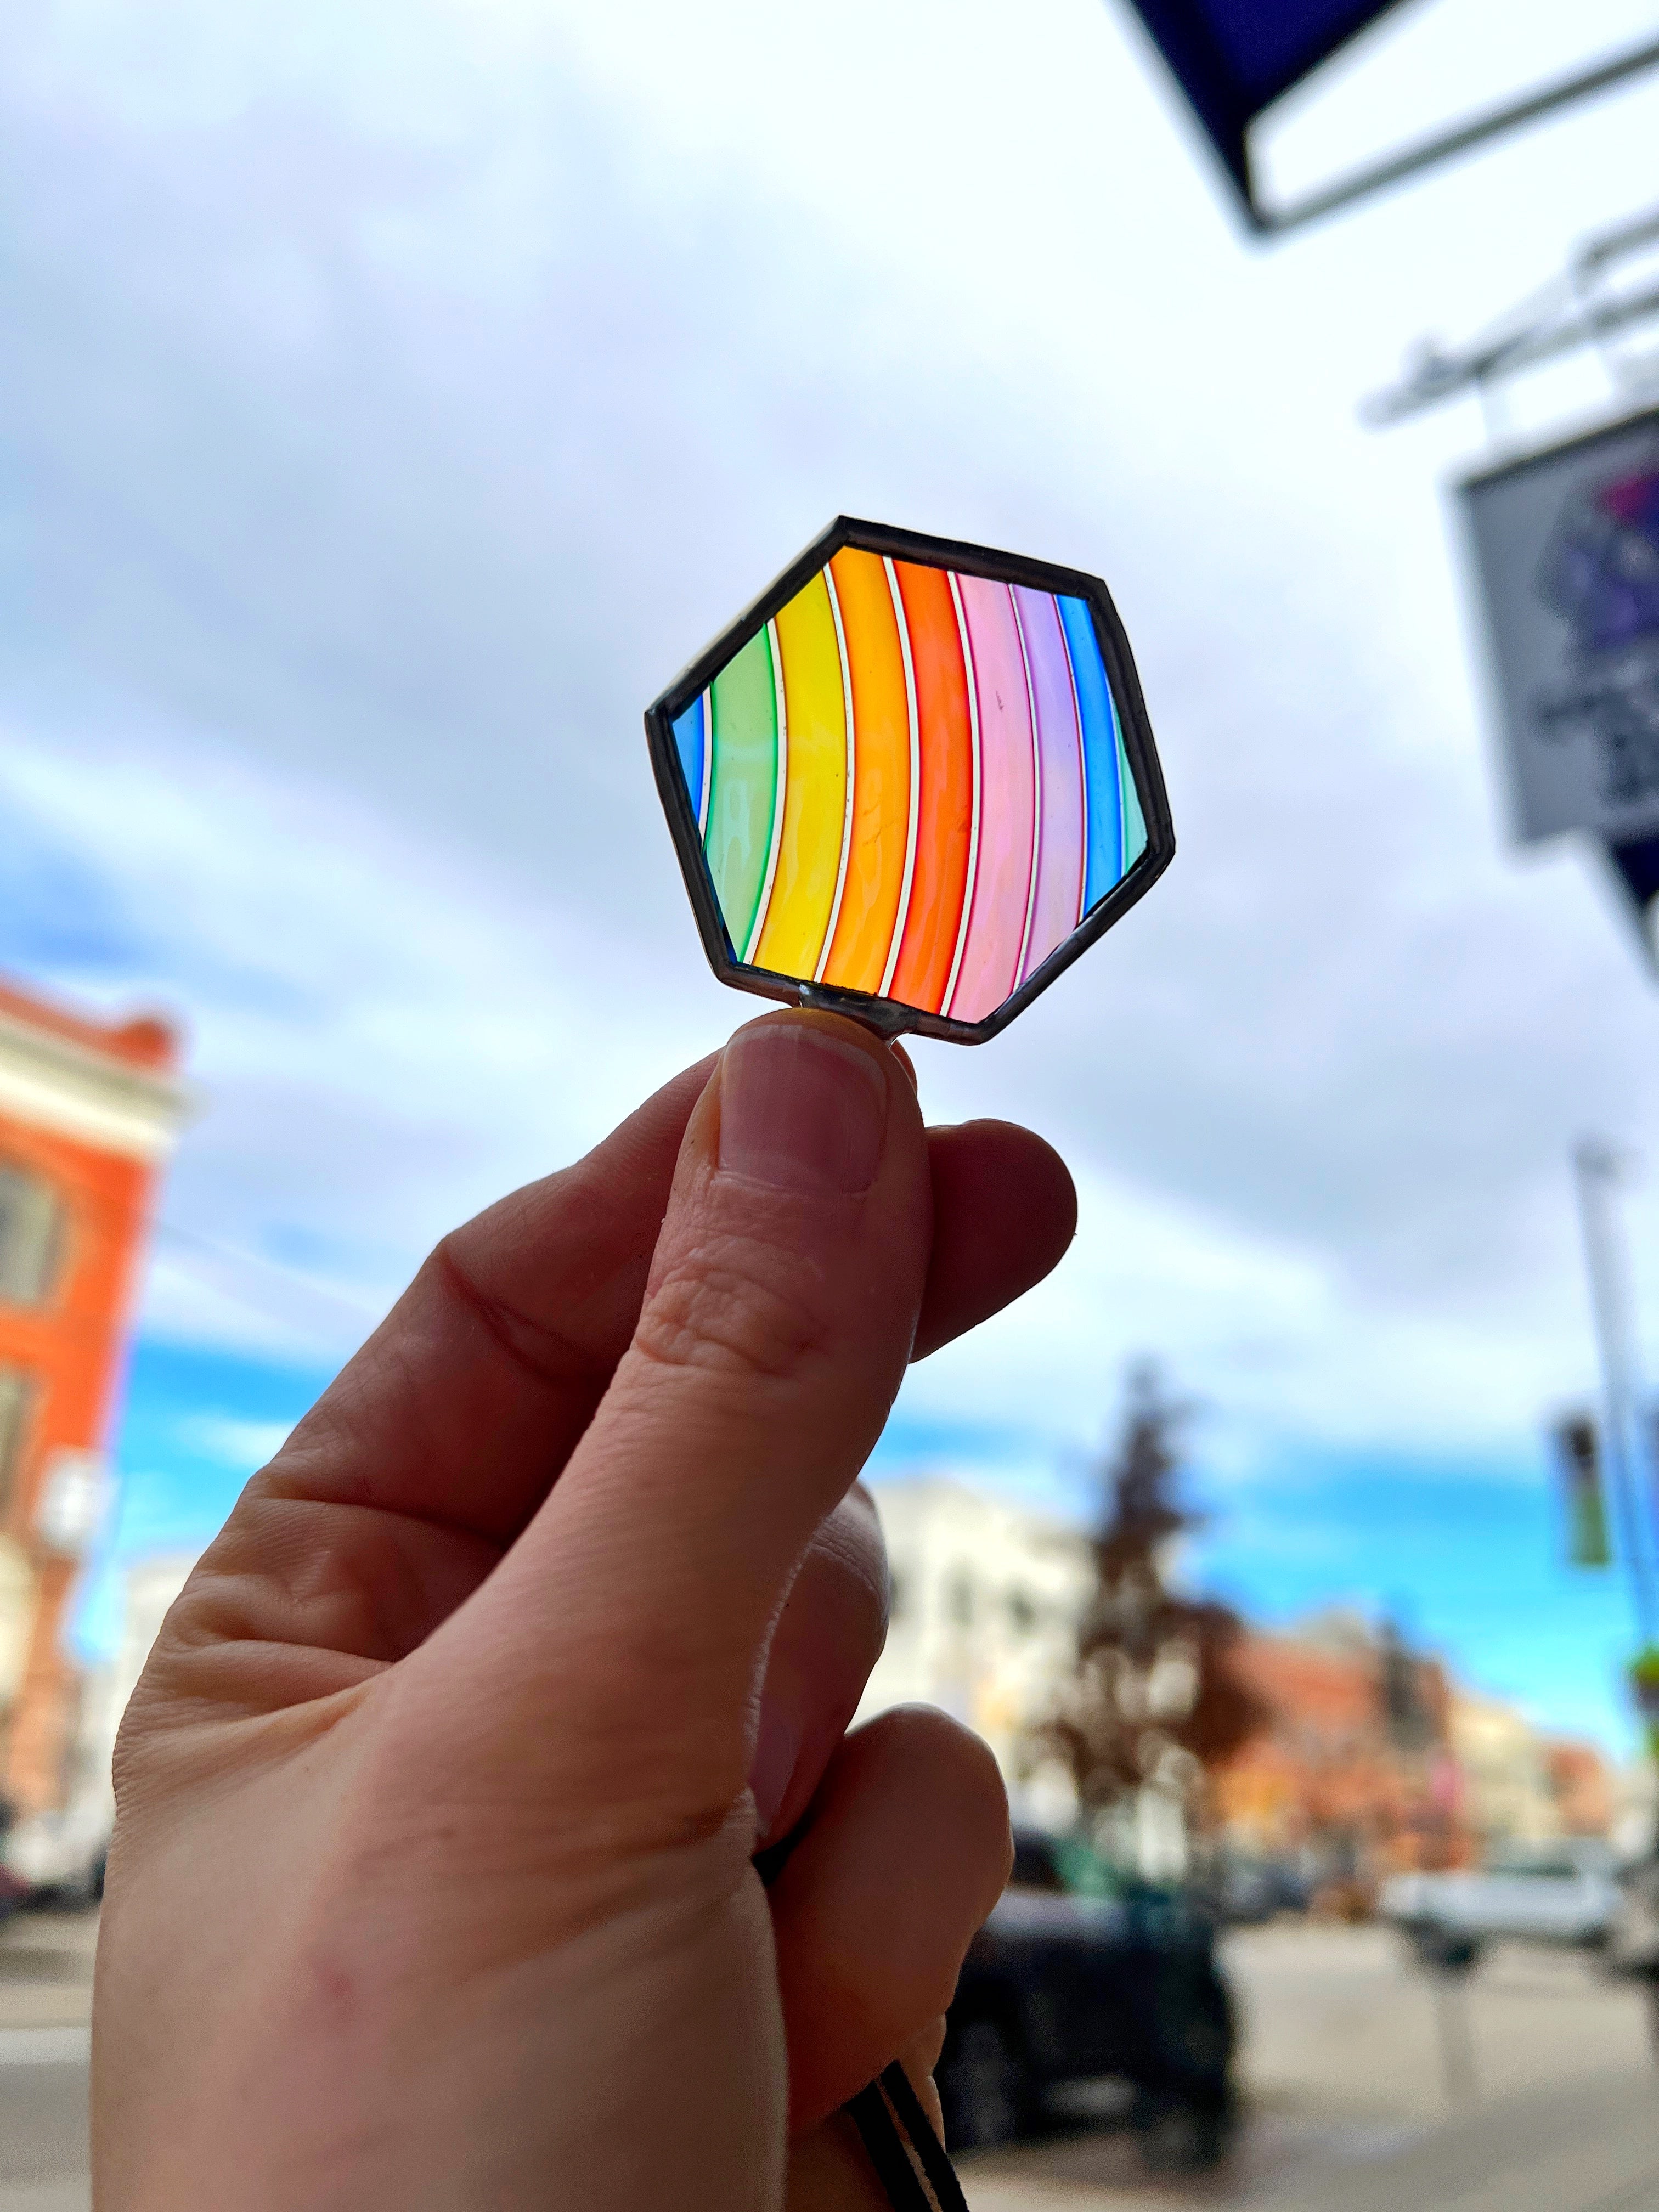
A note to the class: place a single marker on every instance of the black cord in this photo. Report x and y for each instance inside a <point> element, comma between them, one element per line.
<point>870,2114</point>
<point>880,2119</point>
<point>873,2113</point>
<point>941,2174</point>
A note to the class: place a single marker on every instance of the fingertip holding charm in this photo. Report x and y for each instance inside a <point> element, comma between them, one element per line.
<point>912,782</point>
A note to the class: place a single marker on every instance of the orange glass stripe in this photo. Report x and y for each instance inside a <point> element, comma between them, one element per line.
<point>881,774</point>
<point>944,829</point>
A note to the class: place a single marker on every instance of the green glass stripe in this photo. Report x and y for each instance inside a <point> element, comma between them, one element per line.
<point>743,786</point>
<point>1134,822</point>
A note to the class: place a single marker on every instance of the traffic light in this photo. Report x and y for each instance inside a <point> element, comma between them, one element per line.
<point>1580,1454</point>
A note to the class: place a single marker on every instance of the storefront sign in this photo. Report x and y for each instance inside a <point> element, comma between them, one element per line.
<point>1566,547</point>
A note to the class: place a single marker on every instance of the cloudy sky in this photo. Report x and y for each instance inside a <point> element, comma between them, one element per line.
<point>394,397</point>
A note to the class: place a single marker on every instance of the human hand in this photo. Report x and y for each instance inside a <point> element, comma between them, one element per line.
<point>431,1884</point>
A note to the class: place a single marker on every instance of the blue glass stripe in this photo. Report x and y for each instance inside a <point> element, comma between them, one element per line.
<point>1134,822</point>
<point>1102,778</point>
<point>688,737</point>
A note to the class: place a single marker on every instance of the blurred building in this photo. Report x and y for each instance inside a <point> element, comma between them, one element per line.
<point>1582,1785</point>
<point>986,1600</point>
<point>63,1846</point>
<point>1373,1760</point>
<point>88,1113</point>
<point>1524,1786</point>
<point>1354,1774</point>
<point>1633,1828</point>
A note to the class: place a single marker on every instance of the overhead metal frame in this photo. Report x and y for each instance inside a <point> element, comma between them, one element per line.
<point>1429,153</point>
<point>1573,310</point>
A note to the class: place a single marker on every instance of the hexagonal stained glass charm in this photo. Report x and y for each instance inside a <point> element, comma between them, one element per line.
<point>912,782</point>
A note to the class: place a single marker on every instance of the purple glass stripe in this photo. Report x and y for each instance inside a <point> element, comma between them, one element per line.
<point>1059,831</point>
<point>1002,882</point>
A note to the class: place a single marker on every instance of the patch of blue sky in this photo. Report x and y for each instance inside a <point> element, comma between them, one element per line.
<point>1468,1552</point>
<point>1469,1558</point>
<point>195,1423</point>
<point>68,922</point>
<point>337,1260</point>
<point>1018,1460</point>
<point>60,914</point>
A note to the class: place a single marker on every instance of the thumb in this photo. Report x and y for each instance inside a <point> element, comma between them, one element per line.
<point>774,1332</point>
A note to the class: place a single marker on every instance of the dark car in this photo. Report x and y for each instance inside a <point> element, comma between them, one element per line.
<point>1244,1892</point>
<point>1059,1987</point>
<point>14,1893</point>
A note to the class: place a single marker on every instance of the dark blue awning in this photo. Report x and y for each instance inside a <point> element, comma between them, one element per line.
<point>1235,57</point>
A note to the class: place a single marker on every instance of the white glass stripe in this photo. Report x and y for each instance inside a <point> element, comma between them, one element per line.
<point>909,877</point>
<point>847,818</point>
<point>780,791</point>
<point>973,837</point>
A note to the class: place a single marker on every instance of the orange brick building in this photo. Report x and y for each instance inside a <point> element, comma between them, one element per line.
<point>1354,1766</point>
<point>88,1113</point>
<point>1581,1782</point>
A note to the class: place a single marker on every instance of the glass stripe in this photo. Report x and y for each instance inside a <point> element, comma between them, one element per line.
<point>1059,887</point>
<point>996,927</point>
<point>881,780</point>
<point>1103,758</point>
<point>814,789</point>
<point>743,755</point>
<point>688,739</point>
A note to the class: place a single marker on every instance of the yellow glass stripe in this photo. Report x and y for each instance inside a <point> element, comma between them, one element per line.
<point>814,789</point>
<point>881,796</point>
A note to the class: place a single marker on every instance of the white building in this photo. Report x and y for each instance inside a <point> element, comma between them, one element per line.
<point>986,1600</point>
<point>1505,1776</point>
<point>64,1847</point>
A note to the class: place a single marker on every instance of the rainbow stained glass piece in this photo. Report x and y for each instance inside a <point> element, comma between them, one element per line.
<point>913,782</point>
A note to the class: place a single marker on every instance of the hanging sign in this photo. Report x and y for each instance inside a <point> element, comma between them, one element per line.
<point>1566,549</point>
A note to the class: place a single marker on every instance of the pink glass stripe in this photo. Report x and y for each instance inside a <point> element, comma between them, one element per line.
<point>1002,883</point>
<point>1060,831</point>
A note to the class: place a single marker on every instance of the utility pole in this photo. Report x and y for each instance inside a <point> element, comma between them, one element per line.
<point>1595,1169</point>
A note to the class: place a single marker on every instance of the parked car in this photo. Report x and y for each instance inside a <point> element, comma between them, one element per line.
<point>1556,1892</point>
<point>1244,1891</point>
<point>14,1892</point>
<point>1633,1931</point>
<point>1062,1987</point>
<point>58,1857</point>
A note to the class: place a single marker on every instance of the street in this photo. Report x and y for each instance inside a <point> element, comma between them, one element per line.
<point>1530,2087</point>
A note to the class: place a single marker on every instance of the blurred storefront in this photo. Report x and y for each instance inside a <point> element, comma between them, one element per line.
<point>1376,1762</point>
<point>987,1596</point>
<point>88,1114</point>
<point>1372,1760</point>
<point>1354,1773</point>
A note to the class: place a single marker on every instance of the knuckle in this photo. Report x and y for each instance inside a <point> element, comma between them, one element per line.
<point>738,1308</point>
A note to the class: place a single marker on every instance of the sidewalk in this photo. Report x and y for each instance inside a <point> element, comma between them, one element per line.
<point>45,2004</point>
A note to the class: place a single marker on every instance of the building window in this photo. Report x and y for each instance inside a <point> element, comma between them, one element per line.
<point>959,1601</point>
<point>17,1391</point>
<point>31,1236</point>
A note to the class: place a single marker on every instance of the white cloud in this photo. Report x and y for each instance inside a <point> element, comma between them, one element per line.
<point>401,395</point>
<point>238,1445</point>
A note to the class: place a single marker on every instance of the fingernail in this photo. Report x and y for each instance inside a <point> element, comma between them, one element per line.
<point>801,1111</point>
<point>777,1748</point>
